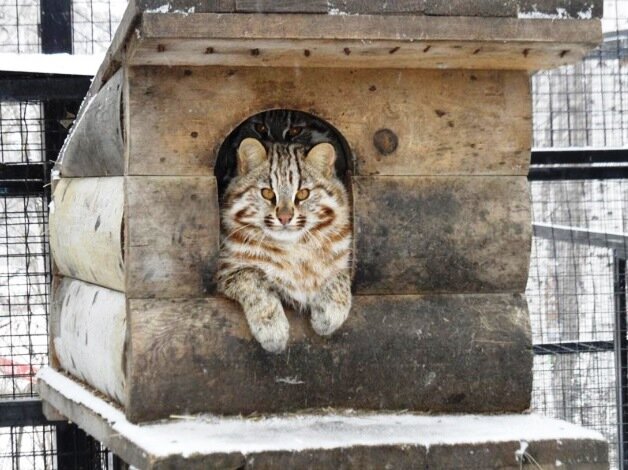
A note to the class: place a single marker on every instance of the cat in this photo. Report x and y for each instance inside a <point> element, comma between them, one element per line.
<point>278,126</point>
<point>287,235</point>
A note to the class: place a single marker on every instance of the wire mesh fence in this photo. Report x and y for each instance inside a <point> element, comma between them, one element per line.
<point>579,205</point>
<point>586,104</point>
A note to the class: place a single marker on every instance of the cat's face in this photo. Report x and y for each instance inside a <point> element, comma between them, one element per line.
<point>285,193</point>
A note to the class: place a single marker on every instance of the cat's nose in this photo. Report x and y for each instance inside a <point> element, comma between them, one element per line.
<point>284,214</point>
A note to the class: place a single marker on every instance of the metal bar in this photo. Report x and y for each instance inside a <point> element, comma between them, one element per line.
<point>56,26</point>
<point>22,171</point>
<point>22,412</point>
<point>588,173</point>
<point>21,188</point>
<point>614,241</point>
<point>551,157</point>
<point>621,357</point>
<point>18,86</point>
<point>573,347</point>
<point>76,449</point>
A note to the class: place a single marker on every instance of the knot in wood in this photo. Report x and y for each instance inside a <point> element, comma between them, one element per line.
<point>385,141</point>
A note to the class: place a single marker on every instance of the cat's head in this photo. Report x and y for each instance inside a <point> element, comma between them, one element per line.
<point>286,192</point>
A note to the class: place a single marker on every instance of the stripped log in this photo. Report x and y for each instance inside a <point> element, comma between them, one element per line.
<point>394,352</point>
<point>418,235</point>
<point>95,146</point>
<point>86,230</point>
<point>173,230</point>
<point>450,122</point>
<point>88,332</point>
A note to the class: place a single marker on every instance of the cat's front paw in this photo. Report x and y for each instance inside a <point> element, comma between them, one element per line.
<point>269,325</point>
<point>328,318</point>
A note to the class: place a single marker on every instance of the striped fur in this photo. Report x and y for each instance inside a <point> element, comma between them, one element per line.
<point>305,262</point>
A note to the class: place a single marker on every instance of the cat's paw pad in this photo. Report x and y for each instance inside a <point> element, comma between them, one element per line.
<point>327,320</point>
<point>270,327</point>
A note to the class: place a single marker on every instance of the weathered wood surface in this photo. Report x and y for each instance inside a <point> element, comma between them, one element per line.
<point>86,230</point>
<point>447,122</point>
<point>447,234</point>
<point>173,231</point>
<point>489,8</point>
<point>332,440</point>
<point>88,331</point>
<point>95,145</point>
<point>394,352</point>
<point>418,7</point>
<point>356,41</point>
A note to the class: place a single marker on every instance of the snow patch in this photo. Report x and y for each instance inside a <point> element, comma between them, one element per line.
<point>161,9</point>
<point>213,434</point>
<point>168,9</point>
<point>66,64</point>
<point>561,14</point>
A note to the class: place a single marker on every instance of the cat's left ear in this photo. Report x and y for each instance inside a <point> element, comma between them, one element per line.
<point>322,157</point>
<point>251,153</point>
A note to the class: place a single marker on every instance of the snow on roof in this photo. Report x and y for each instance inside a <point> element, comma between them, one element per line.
<point>208,434</point>
<point>51,63</point>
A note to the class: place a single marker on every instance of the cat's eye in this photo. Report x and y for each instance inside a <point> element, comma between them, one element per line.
<point>303,194</point>
<point>261,128</point>
<point>294,131</point>
<point>268,194</point>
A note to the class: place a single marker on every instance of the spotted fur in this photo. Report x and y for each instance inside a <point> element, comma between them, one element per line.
<point>281,248</point>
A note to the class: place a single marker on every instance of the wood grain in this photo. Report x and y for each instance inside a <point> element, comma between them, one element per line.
<point>86,230</point>
<point>394,352</point>
<point>95,146</point>
<point>447,122</point>
<point>350,53</point>
<point>448,234</point>
<point>90,339</point>
<point>172,238</point>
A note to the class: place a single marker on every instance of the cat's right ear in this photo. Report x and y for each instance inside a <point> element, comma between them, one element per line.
<point>251,153</point>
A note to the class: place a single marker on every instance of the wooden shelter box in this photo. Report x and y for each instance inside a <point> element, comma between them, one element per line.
<point>441,207</point>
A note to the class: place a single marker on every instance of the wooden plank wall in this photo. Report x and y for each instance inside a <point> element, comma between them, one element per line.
<point>463,139</point>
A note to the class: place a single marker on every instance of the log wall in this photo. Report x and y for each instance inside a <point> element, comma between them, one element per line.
<point>442,242</point>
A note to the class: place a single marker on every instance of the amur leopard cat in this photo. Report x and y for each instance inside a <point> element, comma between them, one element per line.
<point>287,236</point>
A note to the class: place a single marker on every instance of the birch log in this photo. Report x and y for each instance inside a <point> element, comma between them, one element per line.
<point>89,330</point>
<point>86,230</point>
<point>95,146</point>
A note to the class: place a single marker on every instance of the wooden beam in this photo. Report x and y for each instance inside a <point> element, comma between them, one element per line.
<point>327,440</point>
<point>361,41</point>
<point>417,235</point>
<point>394,352</point>
<point>173,229</point>
<point>446,122</point>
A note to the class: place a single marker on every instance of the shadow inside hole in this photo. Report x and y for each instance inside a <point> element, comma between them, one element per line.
<point>285,126</point>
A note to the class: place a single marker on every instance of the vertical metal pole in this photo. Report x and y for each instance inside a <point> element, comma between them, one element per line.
<point>621,358</point>
<point>56,26</point>
<point>76,450</point>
